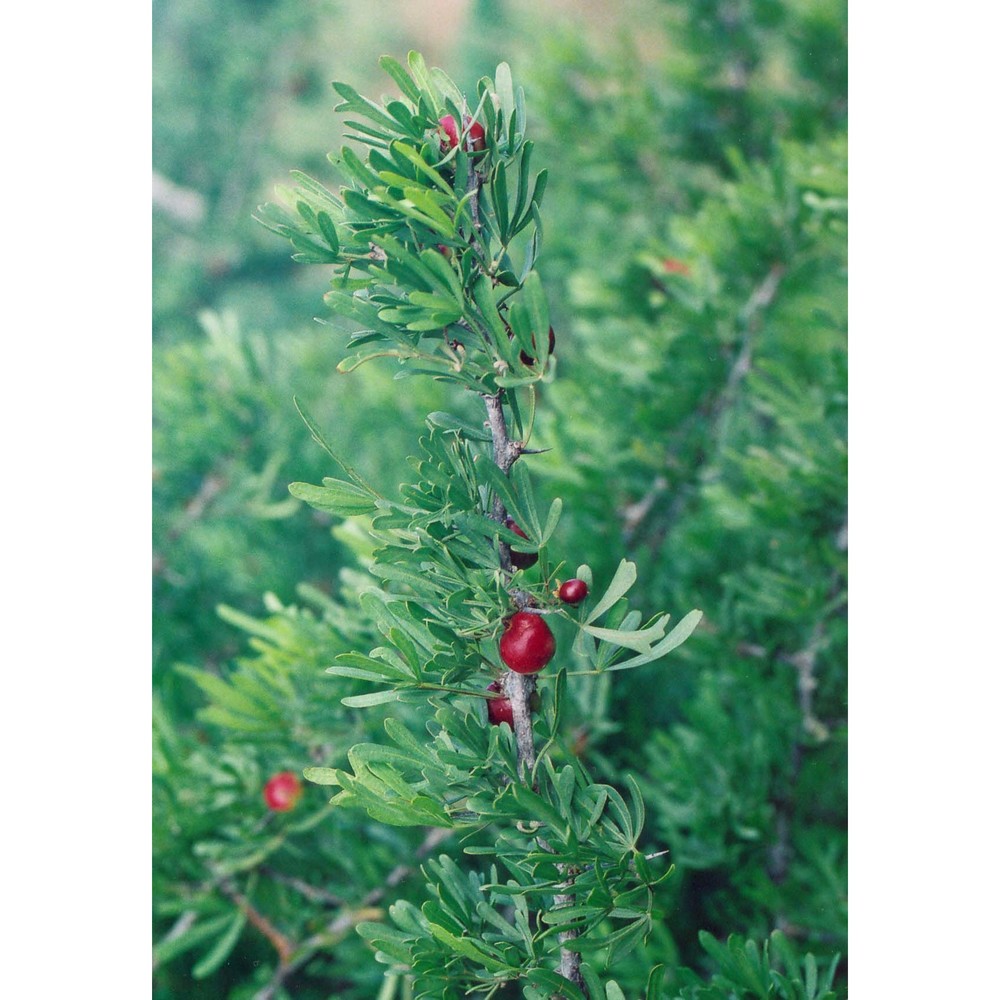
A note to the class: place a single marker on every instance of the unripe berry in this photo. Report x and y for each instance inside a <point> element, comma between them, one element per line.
<point>283,791</point>
<point>527,643</point>
<point>520,560</point>
<point>476,134</point>
<point>499,709</point>
<point>573,591</point>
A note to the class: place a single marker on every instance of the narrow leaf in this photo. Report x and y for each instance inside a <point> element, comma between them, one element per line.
<point>222,948</point>
<point>625,576</point>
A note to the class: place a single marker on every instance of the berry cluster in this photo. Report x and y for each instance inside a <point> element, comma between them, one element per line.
<point>527,643</point>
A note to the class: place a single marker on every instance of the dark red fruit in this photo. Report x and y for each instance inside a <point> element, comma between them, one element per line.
<point>573,591</point>
<point>527,643</point>
<point>283,791</point>
<point>527,359</point>
<point>499,709</point>
<point>476,134</point>
<point>520,560</point>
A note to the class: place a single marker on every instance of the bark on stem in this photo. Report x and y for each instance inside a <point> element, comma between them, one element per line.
<point>517,687</point>
<point>520,687</point>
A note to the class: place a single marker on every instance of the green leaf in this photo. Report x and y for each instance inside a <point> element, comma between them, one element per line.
<point>225,695</point>
<point>393,943</point>
<point>504,89</point>
<point>447,281</point>
<point>335,497</point>
<point>222,948</point>
<point>316,194</point>
<point>373,698</point>
<point>625,576</point>
<point>568,914</point>
<point>321,775</point>
<point>672,640</point>
<point>449,422</point>
<point>170,948</point>
<point>538,311</point>
<point>654,984</point>
<point>413,156</point>
<point>353,101</point>
<point>593,982</point>
<point>368,667</point>
<point>484,297</point>
<point>500,205</point>
<point>311,252</point>
<point>638,806</point>
<point>420,73</point>
<point>550,980</point>
<point>240,723</point>
<point>406,85</point>
<point>640,640</point>
<point>317,436</point>
<point>358,169</point>
<point>470,949</point>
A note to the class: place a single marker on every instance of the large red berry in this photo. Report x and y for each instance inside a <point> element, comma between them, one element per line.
<point>476,134</point>
<point>283,791</point>
<point>527,359</point>
<point>499,709</point>
<point>520,560</point>
<point>573,591</point>
<point>527,643</point>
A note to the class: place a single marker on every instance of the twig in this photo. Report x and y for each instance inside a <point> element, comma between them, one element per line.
<point>348,918</point>
<point>311,892</point>
<point>750,317</point>
<point>804,662</point>
<point>282,944</point>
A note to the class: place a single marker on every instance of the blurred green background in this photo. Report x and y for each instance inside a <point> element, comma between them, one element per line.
<point>695,261</point>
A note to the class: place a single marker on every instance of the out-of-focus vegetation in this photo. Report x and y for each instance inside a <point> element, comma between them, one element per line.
<point>695,262</point>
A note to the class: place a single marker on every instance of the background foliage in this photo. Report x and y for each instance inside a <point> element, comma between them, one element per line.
<point>695,262</point>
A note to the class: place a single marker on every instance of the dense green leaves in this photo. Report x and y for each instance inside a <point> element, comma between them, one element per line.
<point>723,491</point>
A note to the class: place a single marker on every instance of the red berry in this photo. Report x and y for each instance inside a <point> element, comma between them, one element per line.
<point>283,791</point>
<point>476,134</point>
<point>573,591</point>
<point>527,643</point>
<point>527,359</point>
<point>520,560</point>
<point>673,266</point>
<point>499,709</point>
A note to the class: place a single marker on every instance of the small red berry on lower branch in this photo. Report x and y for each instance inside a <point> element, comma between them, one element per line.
<point>499,709</point>
<point>527,643</point>
<point>283,791</point>
<point>573,591</point>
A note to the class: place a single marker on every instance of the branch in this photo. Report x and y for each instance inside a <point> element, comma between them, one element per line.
<point>348,918</point>
<point>518,687</point>
<point>282,944</point>
<point>751,317</point>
